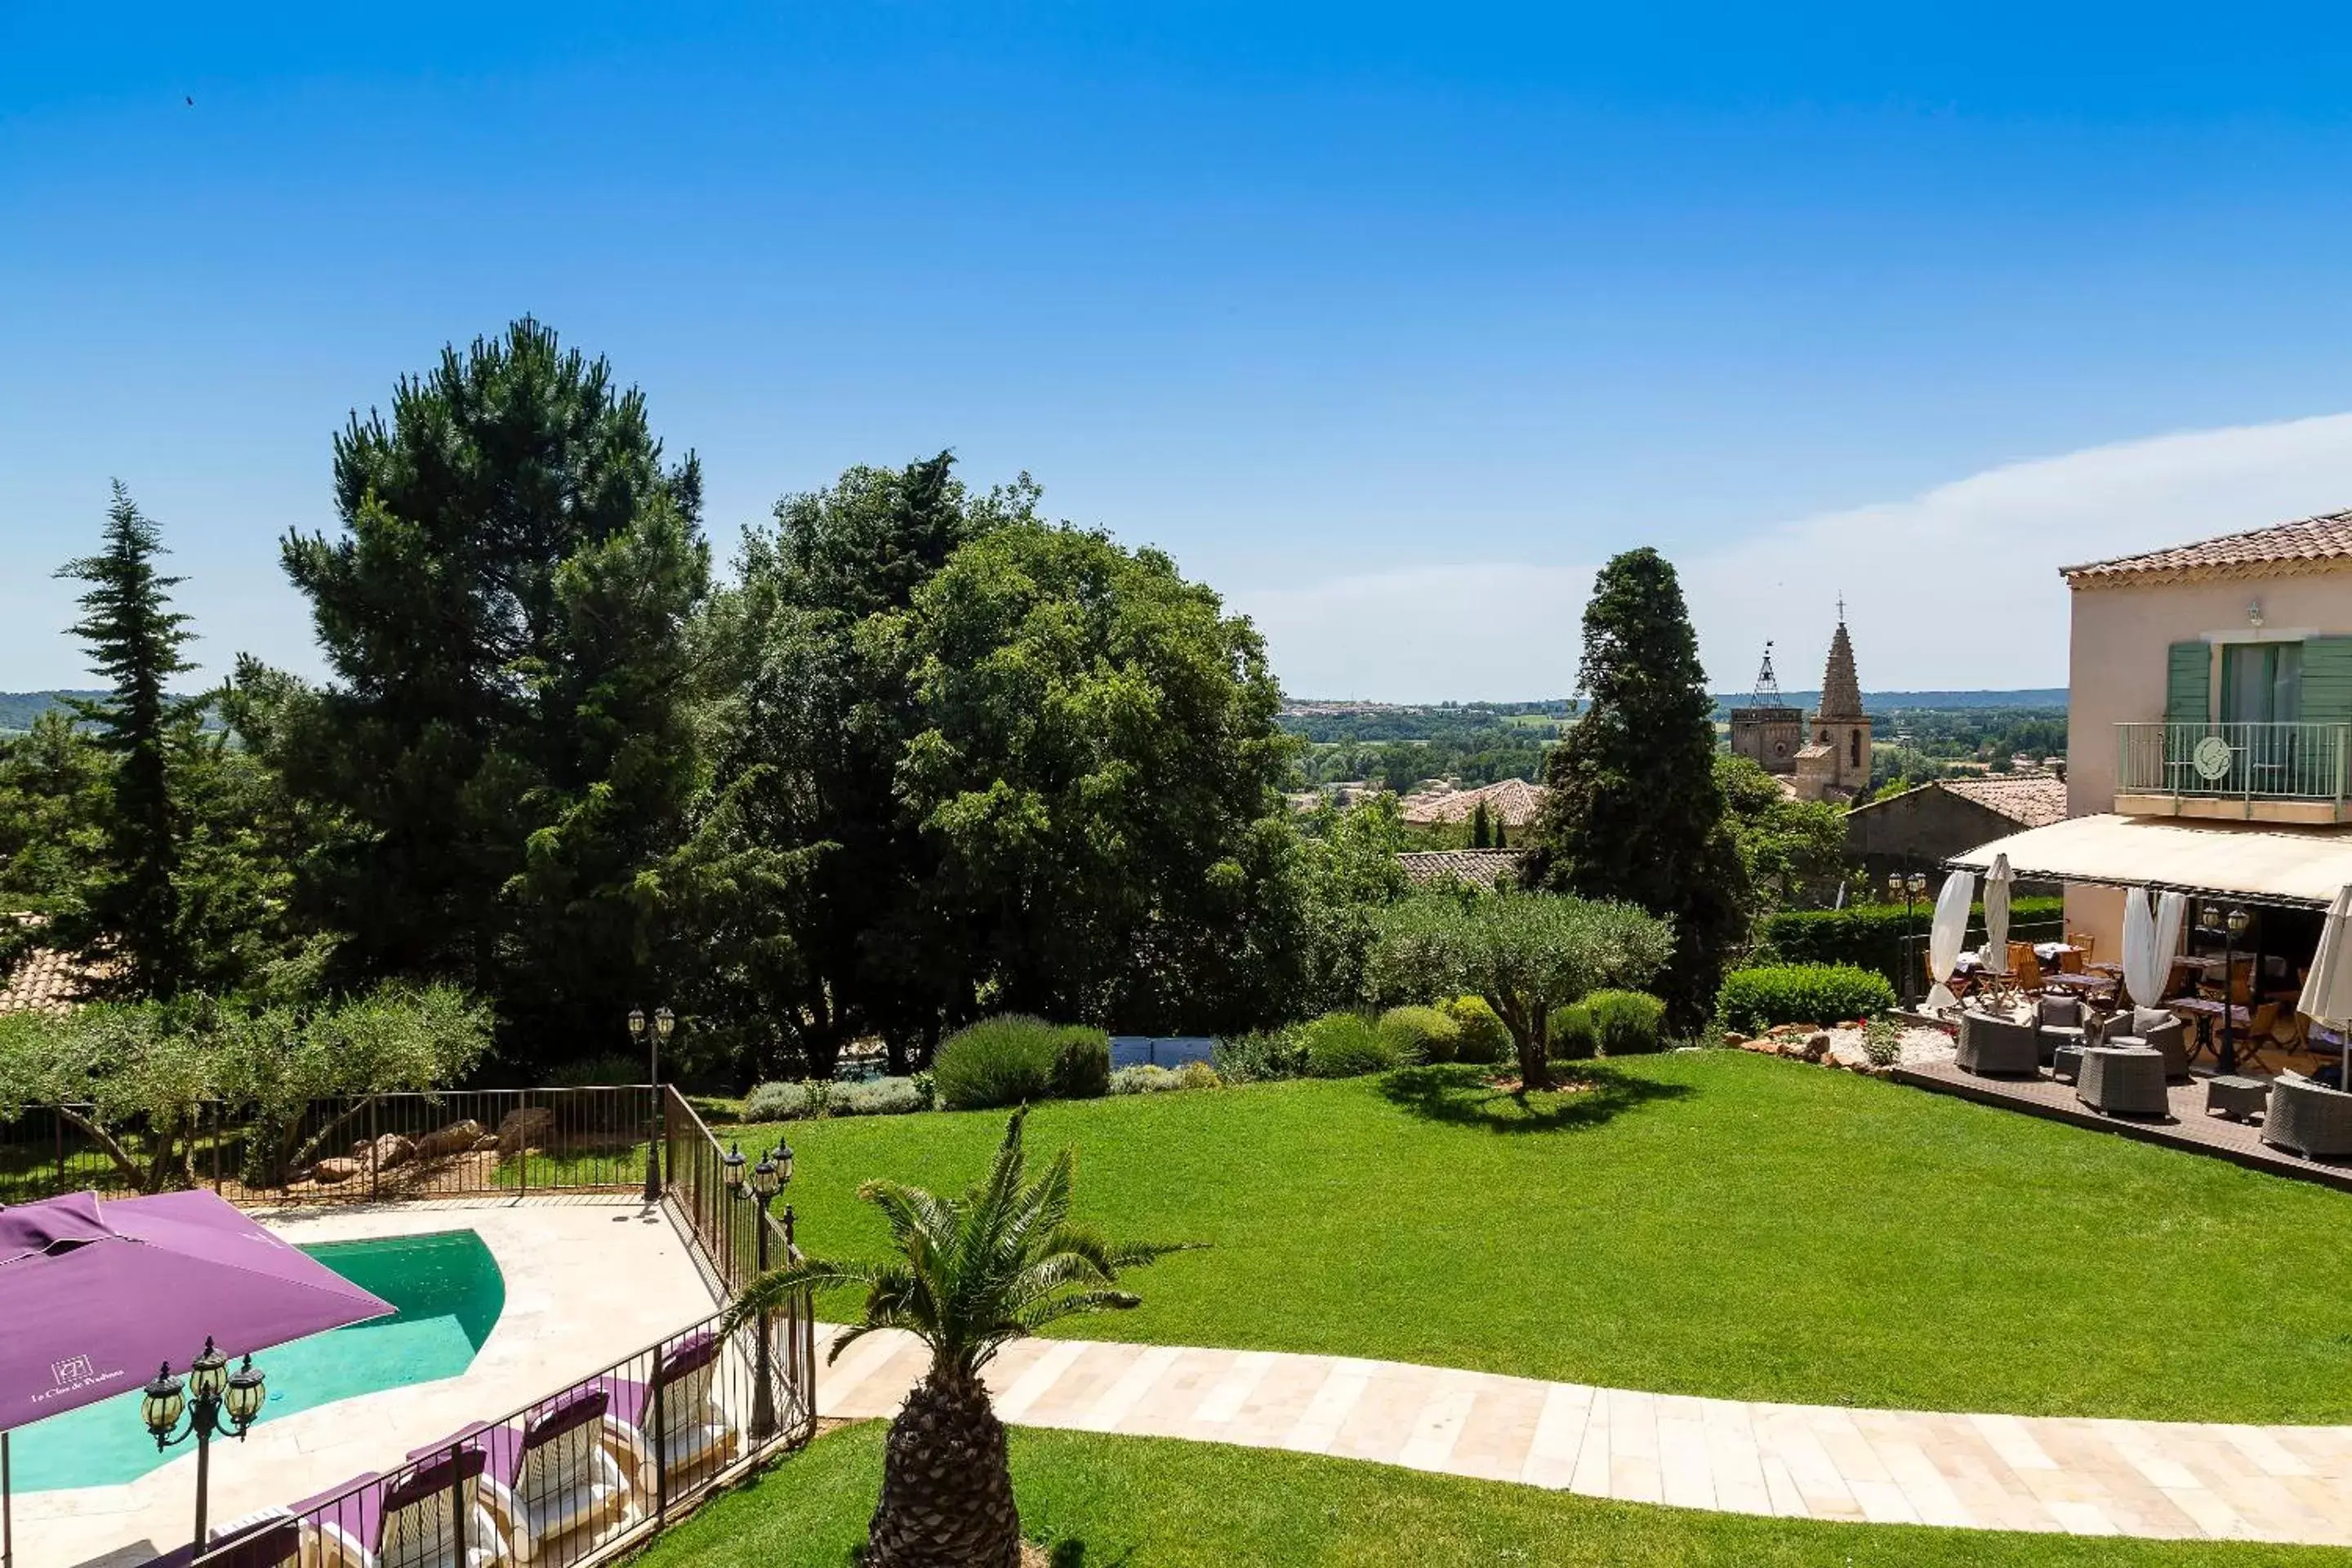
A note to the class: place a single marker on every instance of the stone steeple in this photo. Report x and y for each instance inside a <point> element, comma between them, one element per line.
<point>1841,691</point>
<point>1835,765</point>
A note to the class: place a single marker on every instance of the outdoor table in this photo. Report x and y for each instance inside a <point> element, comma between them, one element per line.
<point>2079,985</point>
<point>2204,1011</point>
<point>2066,1063</point>
<point>2236,1097</point>
<point>2122,1078</point>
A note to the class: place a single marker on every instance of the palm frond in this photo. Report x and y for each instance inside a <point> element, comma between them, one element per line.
<point>774,1291</point>
<point>1076,1304</point>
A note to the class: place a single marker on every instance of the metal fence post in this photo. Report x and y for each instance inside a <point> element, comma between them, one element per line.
<point>661,1448</point>
<point>456,1504</point>
<point>372,1160</point>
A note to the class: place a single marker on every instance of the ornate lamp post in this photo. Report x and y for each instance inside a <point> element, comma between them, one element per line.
<point>767,1179</point>
<point>1906,886</point>
<point>653,1035</point>
<point>2230,927</point>
<point>211,1392</point>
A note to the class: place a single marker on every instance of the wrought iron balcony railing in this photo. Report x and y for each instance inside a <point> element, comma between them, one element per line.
<point>2242,762</point>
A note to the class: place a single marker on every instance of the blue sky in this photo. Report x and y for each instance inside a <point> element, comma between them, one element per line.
<point>1388,322</point>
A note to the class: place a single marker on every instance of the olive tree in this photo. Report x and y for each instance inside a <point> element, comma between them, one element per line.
<point>136,1077</point>
<point>1525,953</point>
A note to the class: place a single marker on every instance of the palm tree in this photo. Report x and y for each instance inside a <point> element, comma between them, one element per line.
<point>972,1274</point>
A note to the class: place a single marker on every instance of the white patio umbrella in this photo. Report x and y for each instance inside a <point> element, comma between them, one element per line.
<point>1945,936</point>
<point>1996,903</point>
<point>2327,990</point>
<point>2150,939</point>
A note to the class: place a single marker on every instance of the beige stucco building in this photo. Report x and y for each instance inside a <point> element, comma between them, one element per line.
<point>2209,733</point>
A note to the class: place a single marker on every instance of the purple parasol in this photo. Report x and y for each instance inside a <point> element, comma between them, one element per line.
<point>96,1294</point>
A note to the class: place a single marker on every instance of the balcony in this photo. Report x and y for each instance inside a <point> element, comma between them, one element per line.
<point>2243,772</point>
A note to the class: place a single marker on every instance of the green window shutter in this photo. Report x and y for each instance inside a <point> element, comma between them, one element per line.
<point>2327,680</point>
<point>2187,684</point>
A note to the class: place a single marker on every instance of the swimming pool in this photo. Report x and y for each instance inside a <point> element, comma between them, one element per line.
<point>449,1294</point>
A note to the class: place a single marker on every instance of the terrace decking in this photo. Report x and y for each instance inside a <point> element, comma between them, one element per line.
<point>2190,1127</point>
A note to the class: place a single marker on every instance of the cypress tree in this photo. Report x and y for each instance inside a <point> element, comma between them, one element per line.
<point>129,908</point>
<point>1502,836</point>
<point>1479,837</point>
<point>1635,812</point>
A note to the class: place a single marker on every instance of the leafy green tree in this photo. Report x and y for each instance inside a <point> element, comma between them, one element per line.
<point>1525,953</point>
<point>506,747</point>
<point>128,908</point>
<point>816,704</point>
<point>1099,773</point>
<point>1635,812</point>
<point>1348,859</point>
<point>53,803</point>
<point>971,1275</point>
<point>136,1077</point>
<point>1792,851</point>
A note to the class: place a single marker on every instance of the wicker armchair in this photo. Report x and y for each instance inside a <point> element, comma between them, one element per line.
<point>1991,1047</point>
<point>2310,1118</point>
<point>2162,1032</point>
<point>2060,1021</point>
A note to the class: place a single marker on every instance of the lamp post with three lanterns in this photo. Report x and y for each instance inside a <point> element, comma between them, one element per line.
<point>653,1035</point>
<point>1907,886</point>
<point>765,1180</point>
<point>214,1400</point>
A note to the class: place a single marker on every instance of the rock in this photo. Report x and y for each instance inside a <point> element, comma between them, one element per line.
<point>1734,1037</point>
<point>1817,1047</point>
<point>457,1138</point>
<point>523,1129</point>
<point>486,1143</point>
<point>333,1172</point>
<point>385,1153</point>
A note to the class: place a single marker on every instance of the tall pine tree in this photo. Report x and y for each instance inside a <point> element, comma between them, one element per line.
<point>1635,812</point>
<point>128,913</point>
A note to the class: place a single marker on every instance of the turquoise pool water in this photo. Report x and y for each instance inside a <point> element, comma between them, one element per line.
<point>449,1292</point>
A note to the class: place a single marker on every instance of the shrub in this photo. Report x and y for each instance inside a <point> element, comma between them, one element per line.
<point>1870,936</point>
<point>1261,1058</point>
<point>1347,1044</point>
<point>1627,1023</point>
<point>879,1097</point>
<point>598,1071</point>
<point>786,1102</point>
<point>1753,1000</point>
<point>1882,1042</point>
<point>1573,1035</point>
<point>1144,1078</point>
<point>1483,1039</point>
<point>1198,1074</point>
<point>1081,1065</point>
<point>1006,1061</point>
<point>1421,1034</point>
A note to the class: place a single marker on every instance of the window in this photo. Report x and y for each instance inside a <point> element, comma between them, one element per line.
<point>2262,683</point>
<point>1853,747</point>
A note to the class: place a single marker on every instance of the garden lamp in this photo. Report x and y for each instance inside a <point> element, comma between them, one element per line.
<point>653,1038</point>
<point>215,1401</point>
<point>767,1179</point>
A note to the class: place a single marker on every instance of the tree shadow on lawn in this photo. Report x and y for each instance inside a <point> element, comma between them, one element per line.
<point>1591,1094</point>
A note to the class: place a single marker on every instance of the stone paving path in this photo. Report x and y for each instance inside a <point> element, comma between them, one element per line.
<point>1985,1472</point>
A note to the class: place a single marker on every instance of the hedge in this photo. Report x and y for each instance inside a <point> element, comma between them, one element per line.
<point>1753,1000</point>
<point>1871,935</point>
<point>1015,1059</point>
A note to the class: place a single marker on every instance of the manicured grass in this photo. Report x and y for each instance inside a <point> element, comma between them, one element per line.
<point>1145,1502</point>
<point>1700,1222</point>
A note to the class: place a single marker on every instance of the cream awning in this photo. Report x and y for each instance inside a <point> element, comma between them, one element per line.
<point>2253,860</point>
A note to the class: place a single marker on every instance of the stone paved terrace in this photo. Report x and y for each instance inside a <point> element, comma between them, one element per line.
<point>588,1281</point>
<point>1989,1472</point>
<point>2190,1127</point>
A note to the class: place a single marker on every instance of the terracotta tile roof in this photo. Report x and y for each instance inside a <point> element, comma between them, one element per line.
<point>1515,802</point>
<point>2259,552</point>
<point>2030,802</point>
<point>1481,867</point>
<point>47,980</point>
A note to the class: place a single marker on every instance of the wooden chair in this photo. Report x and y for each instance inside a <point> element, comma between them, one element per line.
<point>2261,1034</point>
<point>2086,947</point>
<point>2024,968</point>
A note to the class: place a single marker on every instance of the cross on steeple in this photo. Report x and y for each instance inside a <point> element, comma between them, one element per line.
<point>1840,606</point>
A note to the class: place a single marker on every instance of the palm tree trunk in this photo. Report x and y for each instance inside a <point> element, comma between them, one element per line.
<point>947,1483</point>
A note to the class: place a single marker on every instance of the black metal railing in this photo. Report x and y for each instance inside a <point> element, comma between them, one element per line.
<point>583,1475</point>
<point>366,1147</point>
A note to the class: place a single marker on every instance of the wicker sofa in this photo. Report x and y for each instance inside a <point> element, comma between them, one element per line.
<point>2309,1118</point>
<point>1993,1046</point>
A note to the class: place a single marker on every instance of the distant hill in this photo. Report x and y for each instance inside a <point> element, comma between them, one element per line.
<point>19,709</point>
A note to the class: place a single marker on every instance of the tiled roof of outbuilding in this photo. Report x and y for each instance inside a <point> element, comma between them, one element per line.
<point>1479,866</point>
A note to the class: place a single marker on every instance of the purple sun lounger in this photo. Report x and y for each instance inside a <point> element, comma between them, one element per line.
<point>567,1476</point>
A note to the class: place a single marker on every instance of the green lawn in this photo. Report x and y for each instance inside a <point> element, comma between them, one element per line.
<point>1705,1223</point>
<point>1145,1502</point>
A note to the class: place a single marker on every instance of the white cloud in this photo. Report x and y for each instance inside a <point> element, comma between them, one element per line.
<point>1956,587</point>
